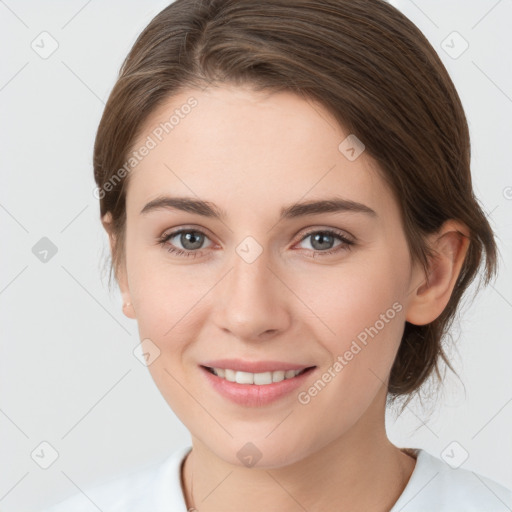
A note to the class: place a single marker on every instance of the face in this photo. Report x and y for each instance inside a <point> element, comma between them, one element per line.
<point>265,279</point>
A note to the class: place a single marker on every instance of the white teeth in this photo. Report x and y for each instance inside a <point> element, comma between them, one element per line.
<point>228,375</point>
<point>260,379</point>
<point>278,376</point>
<point>244,378</point>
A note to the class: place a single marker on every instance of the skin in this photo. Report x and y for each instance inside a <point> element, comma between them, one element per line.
<point>251,153</point>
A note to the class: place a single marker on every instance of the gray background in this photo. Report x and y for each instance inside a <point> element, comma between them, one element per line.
<point>68,375</point>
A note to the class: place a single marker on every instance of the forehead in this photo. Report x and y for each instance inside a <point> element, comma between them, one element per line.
<point>227,143</point>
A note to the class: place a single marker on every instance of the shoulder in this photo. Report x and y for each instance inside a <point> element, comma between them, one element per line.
<point>435,485</point>
<point>156,487</point>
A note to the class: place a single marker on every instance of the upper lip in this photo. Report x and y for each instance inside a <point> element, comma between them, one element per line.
<point>254,366</point>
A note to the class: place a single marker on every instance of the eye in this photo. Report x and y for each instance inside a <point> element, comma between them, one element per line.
<point>322,242</point>
<point>190,239</point>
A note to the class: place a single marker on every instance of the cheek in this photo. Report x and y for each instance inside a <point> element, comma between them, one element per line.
<point>352,297</point>
<point>163,293</point>
<point>359,316</point>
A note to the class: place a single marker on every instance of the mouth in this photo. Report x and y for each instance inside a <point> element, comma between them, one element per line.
<point>258,379</point>
<point>256,389</point>
<point>256,383</point>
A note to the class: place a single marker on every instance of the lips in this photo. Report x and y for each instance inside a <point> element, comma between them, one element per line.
<point>255,383</point>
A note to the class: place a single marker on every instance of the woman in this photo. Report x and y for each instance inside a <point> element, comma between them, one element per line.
<point>287,193</point>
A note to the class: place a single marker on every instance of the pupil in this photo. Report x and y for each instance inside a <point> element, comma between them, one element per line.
<point>191,240</point>
<point>321,237</point>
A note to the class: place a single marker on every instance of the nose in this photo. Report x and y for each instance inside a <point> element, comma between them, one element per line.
<point>251,302</point>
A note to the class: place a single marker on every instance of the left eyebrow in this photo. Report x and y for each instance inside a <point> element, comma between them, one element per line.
<point>209,209</point>
<point>333,205</point>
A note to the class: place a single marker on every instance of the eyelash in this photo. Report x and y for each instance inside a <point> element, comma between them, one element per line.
<point>344,246</point>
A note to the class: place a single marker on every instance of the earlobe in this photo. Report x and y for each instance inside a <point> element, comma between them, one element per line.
<point>431,296</point>
<point>122,281</point>
<point>120,273</point>
<point>128,310</point>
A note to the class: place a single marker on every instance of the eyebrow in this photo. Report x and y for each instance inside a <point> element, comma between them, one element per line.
<point>208,209</point>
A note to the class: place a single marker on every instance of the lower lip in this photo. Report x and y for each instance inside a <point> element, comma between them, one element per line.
<point>253,395</point>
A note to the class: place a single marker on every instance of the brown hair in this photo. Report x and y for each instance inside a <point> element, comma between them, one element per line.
<point>370,66</point>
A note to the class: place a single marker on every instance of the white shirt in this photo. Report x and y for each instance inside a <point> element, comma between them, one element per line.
<point>434,486</point>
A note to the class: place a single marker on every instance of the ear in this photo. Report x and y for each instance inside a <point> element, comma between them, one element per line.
<point>120,273</point>
<point>433,291</point>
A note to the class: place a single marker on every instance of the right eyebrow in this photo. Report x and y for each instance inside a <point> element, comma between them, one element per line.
<point>186,204</point>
